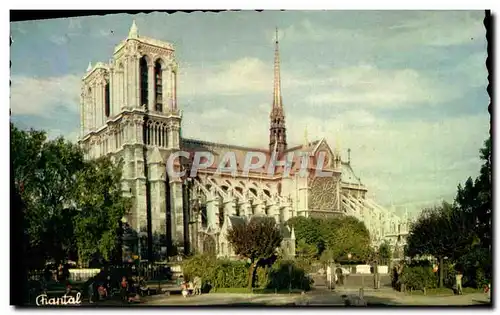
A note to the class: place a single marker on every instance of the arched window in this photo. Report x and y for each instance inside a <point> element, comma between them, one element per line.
<point>143,64</point>
<point>158,87</point>
<point>106,99</point>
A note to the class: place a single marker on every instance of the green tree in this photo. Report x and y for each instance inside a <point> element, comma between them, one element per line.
<point>441,232</point>
<point>384,253</point>
<point>256,240</point>
<point>44,177</point>
<point>346,235</point>
<point>308,230</point>
<point>101,205</point>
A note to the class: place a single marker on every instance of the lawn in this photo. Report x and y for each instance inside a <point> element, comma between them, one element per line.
<point>444,291</point>
<point>255,291</point>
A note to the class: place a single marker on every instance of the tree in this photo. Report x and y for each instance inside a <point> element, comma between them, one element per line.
<point>441,232</point>
<point>474,199</point>
<point>384,252</point>
<point>256,240</point>
<point>68,204</point>
<point>44,176</point>
<point>346,235</point>
<point>101,205</point>
<point>308,230</point>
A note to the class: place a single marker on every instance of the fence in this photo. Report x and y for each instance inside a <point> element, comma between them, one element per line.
<point>82,274</point>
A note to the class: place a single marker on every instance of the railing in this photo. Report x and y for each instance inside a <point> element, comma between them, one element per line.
<point>82,274</point>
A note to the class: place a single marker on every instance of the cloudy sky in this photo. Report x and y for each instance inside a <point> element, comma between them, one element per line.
<point>405,91</point>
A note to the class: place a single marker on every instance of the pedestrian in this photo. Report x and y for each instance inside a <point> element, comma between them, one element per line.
<point>329,277</point>
<point>458,278</point>
<point>124,289</point>
<point>90,291</point>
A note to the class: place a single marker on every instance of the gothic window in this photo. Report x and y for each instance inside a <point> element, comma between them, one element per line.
<point>143,65</point>
<point>106,99</point>
<point>158,87</point>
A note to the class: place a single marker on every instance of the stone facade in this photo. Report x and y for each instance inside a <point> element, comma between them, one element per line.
<point>129,111</point>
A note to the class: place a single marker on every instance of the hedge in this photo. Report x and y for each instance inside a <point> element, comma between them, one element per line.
<point>218,273</point>
<point>418,277</point>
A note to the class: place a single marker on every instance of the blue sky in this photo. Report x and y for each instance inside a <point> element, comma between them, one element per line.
<point>405,90</point>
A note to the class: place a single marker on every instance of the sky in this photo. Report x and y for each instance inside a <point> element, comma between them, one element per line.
<point>404,90</point>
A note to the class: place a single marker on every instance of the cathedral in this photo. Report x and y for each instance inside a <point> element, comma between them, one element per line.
<point>129,111</point>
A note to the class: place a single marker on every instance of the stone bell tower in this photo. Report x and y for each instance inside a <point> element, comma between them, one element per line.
<point>129,110</point>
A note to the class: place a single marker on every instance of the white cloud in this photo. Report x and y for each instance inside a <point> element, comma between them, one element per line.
<point>243,76</point>
<point>42,96</point>
<point>367,85</point>
<point>392,30</point>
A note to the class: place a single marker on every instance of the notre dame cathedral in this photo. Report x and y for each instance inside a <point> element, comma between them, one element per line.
<point>129,111</point>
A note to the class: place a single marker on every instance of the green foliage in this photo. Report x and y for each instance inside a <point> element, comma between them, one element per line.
<point>333,238</point>
<point>199,265</point>
<point>256,240</point>
<point>346,235</point>
<point>309,231</point>
<point>44,178</point>
<point>216,273</point>
<point>70,205</point>
<point>384,253</point>
<point>418,277</point>
<point>462,231</point>
<point>101,206</point>
<point>285,274</point>
<point>475,266</point>
<point>262,280</point>
<point>219,273</point>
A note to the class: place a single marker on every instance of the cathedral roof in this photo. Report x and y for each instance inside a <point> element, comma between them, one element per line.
<point>219,150</point>
<point>348,175</point>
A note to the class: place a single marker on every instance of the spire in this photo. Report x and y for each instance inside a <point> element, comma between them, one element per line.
<point>89,67</point>
<point>277,80</point>
<point>277,132</point>
<point>133,33</point>
<point>349,156</point>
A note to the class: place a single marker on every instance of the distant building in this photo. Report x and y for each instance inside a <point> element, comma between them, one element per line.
<point>129,111</point>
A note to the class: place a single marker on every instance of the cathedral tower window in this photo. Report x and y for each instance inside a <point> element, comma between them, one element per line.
<point>158,87</point>
<point>106,99</point>
<point>143,65</point>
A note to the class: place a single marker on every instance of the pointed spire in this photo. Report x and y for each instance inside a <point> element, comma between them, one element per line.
<point>349,156</point>
<point>293,234</point>
<point>277,79</point>
<point>133,33</point>
<point>89,67</point>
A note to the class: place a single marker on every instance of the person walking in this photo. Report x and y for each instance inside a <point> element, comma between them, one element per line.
<point>329,277</point>
<point>124,289</point>
<point>90,291</point>
<point>458,278</point>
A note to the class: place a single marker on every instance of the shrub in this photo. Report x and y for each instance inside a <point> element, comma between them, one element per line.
<point>216,273</point>
<point>418,277</point>
<point>285,274</point>
<point>230,274</point>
